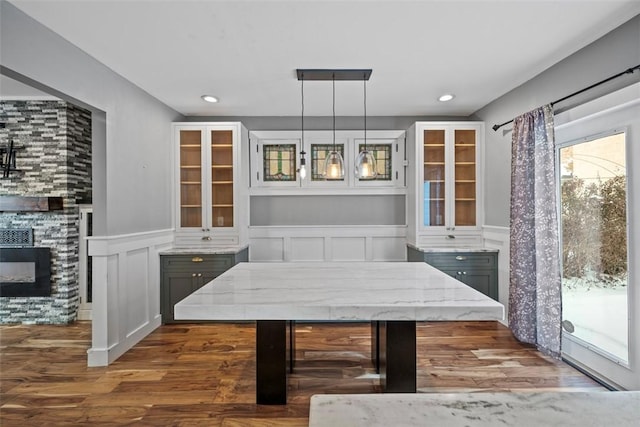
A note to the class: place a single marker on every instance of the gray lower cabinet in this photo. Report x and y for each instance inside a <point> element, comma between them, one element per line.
<point>476,269</point>
<point>183,274</point>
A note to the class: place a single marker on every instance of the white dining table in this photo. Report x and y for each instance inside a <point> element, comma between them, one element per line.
<point>392,295</point>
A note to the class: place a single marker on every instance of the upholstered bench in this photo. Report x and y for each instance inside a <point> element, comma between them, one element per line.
<point>580,409</point>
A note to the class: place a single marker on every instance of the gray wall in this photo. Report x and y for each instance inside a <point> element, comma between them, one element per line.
<point>609,55</point>
<point>54,159</point>
<point>131,187</point>
<point>327,210</point>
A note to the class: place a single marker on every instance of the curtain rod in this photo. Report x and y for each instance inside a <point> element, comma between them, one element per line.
<point>627,71</point>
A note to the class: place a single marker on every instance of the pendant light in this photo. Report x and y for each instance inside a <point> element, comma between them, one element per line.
<point>303,161</point>
<point>365,162</point>
<point>334,163</point>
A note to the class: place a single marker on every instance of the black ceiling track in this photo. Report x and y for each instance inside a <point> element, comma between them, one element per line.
<point>331,74</point>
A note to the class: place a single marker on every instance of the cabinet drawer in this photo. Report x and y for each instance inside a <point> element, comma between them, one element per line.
<point>462,259</point>
<point>195,262</point>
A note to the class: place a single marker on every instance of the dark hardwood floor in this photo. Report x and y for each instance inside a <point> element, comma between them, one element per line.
<point>204,375</point>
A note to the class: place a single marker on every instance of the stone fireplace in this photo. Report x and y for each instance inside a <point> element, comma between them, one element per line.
<point>52,141</point>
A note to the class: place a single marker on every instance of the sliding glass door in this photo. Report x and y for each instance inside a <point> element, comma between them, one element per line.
<point>595,282</point>
<point>596,155</point>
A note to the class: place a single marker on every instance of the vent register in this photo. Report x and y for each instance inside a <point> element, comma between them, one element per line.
<point>16,237</point>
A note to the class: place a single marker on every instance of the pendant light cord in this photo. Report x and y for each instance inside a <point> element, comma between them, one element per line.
<point>302,115</point>
<point>333,78</point>
<point>365,113</point>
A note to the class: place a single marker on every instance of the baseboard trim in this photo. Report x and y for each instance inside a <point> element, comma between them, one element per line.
<point>105,356</point>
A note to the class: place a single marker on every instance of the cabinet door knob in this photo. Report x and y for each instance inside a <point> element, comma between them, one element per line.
<point>196,259</point>
<point>193,274</point>
<point>200,274</point>
<point>461,258</point>
<point>464,273</point>
<point>459,273</point>
<point>451,236</point>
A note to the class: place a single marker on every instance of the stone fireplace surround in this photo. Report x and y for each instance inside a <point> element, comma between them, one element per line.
<point>54,158</point>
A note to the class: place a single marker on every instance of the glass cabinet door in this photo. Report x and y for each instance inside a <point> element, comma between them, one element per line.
<point>279,162</point>
<point>465,177</point>
<point>382,154</point>
<point>434,177</point>
<point>222,178</point>
<point>190,178</point>
<point>319,153</point>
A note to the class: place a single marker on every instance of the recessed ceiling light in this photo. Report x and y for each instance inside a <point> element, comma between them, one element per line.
<point>209,98</point>
<point>446,97</point>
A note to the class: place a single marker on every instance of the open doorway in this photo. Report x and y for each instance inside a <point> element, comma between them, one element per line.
<point>55,138</point>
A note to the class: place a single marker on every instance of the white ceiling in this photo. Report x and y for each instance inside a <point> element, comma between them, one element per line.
<point>246,52</point>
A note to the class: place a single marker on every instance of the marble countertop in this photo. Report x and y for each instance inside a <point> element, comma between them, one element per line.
<point>580,409</point>
<point>205,251</point>
<point>337,291</point>
<point>457,249</point>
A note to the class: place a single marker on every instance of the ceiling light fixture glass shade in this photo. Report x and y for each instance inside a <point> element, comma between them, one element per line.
<point>446,97</point>
<point>366,165</point>
<point>365,162</point>
<point>334,163</point>
<point>334,166</point>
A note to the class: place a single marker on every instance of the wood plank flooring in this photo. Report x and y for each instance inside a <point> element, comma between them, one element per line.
<point>204,375</point>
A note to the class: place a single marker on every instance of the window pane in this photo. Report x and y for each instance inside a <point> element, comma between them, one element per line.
<point>382,154</point>
<point>319,153</point>
<point>594,243</point>
<point>279,162</point>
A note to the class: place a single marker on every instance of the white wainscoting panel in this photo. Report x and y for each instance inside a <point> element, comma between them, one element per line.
<point>306,249</point>
<point>498,238</point>
<point>327,243</point>
<point>389,248</point>
<point>349,248</point>
<point>266,249</point>
<point>126,291</point>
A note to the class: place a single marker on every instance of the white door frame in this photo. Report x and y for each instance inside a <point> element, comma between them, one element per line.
<point>620,109</point>
<point>84,309</point>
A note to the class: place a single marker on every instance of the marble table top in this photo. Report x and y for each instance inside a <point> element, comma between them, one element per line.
<point>580,409</point>
<point>337,291</point>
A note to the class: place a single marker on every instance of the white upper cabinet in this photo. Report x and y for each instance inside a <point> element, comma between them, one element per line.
<point>275,161</point>
<point>211,191</point>
<point>444,202</point>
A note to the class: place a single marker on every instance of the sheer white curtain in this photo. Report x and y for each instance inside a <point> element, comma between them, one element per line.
<point>535,305</point>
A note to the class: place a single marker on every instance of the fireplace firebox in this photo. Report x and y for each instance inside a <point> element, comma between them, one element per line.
<point>25,272</point>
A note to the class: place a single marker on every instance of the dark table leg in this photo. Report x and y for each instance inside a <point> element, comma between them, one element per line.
<point>292,345</point>
<point>375,345</point>
<point>272,342</point>
<point>397,344</point>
